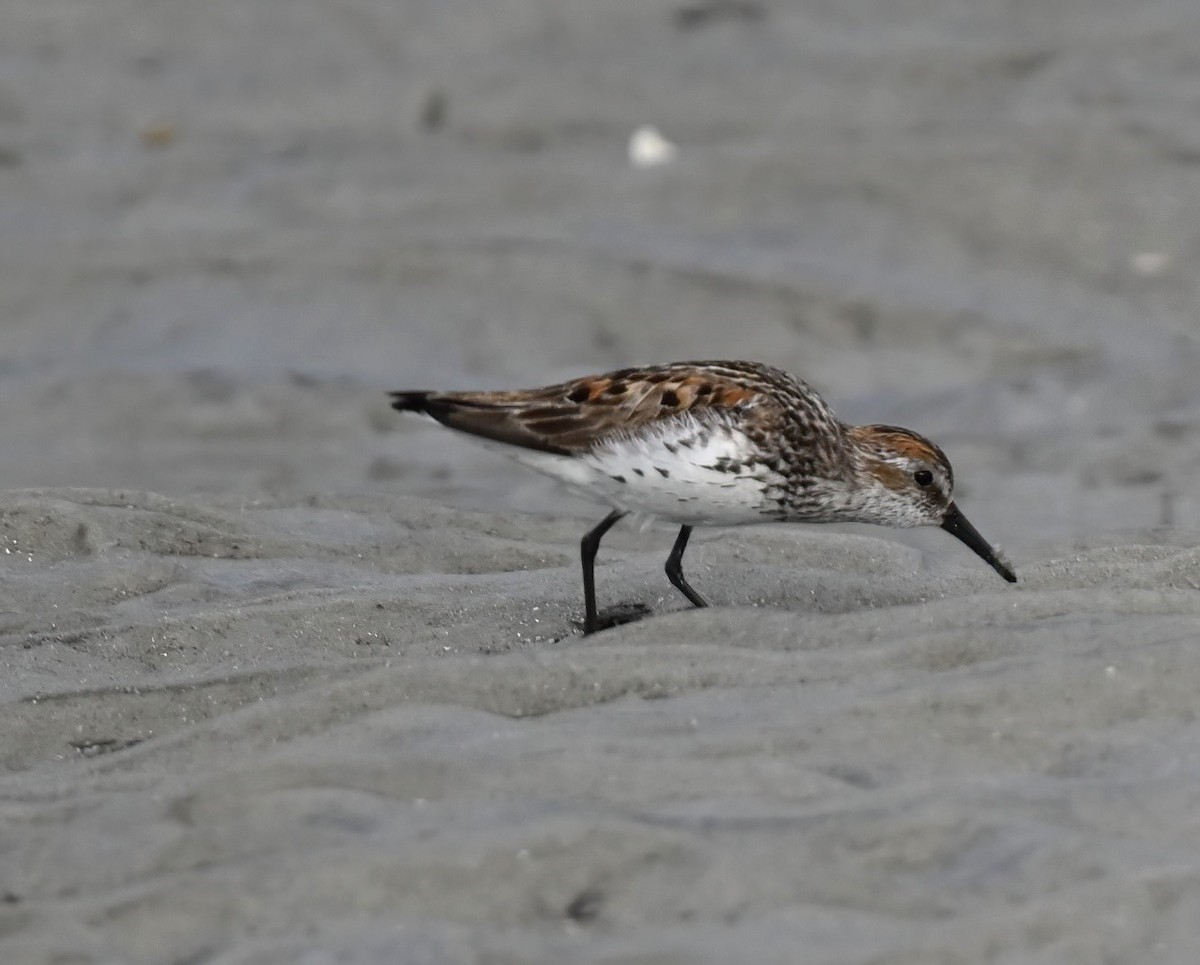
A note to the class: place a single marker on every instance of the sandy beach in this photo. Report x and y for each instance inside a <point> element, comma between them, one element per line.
<point>286,677</point>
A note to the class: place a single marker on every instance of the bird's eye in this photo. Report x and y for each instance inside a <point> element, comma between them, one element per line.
<point>923,477</point>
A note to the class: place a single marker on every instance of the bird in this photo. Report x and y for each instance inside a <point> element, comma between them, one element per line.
<point>724,443</point>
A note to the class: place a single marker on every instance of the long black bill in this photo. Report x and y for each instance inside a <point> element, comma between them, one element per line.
<point>955,523</point>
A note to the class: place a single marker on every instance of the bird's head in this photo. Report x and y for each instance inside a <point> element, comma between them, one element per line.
<point>908,481</point>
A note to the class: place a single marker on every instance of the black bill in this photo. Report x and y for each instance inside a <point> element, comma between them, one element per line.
<point>955,523</point>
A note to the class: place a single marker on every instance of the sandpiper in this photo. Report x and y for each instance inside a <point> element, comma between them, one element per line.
<point>710,443</point>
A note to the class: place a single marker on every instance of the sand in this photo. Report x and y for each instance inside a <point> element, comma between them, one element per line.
<point>286,677</point>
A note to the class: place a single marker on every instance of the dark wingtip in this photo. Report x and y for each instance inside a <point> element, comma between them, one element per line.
<point>410,401</point>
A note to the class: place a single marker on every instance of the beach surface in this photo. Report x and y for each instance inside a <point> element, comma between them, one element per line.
<point>287,677</point>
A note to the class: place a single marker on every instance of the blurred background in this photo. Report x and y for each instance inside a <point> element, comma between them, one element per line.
<point>226,228</point>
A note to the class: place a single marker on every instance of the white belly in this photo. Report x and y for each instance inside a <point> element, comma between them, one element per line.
<point>641,474</point>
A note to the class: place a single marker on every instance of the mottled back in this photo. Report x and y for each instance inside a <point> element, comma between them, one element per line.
<point>773,409</point>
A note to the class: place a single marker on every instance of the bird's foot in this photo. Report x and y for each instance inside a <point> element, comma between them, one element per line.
<point>617,615</point>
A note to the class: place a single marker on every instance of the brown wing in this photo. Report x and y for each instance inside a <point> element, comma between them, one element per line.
<point>573,416</point>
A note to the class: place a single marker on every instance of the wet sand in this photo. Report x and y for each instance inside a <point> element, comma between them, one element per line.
<point>287,677</point>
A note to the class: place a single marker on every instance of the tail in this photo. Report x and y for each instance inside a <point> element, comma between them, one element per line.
<point>479,414</point>
<point>442,406</point>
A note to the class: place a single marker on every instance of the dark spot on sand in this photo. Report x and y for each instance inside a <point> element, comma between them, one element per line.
<point>662,472</point>
<point>585,906</point>
<point>671,448</point>
<point>705,13</point>
<point>639,472</point>
<point>619,479</point>
<point>434,110</point>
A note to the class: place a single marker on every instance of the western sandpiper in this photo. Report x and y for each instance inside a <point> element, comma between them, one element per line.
<point>710,443</point>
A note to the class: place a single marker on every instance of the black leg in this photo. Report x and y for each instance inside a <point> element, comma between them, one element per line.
<point>675,568</point>
<point>588,547</point>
